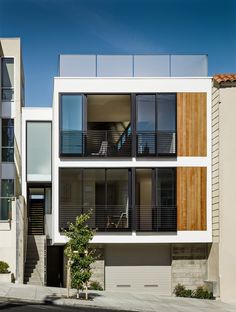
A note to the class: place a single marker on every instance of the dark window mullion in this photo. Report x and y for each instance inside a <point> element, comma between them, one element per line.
<point>106,210</point>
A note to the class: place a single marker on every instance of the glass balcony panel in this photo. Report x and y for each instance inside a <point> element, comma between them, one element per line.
<point>151,65</point>
<point>77,65</point>
<point>114,66</point>
<point>189,66</point>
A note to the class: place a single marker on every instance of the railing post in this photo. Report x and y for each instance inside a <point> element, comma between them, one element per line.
<point>133,204</point>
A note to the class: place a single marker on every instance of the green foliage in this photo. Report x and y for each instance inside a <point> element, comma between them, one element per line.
<point>4,267</point>
<point>79,251</point>
<point>95,285</point>
<point>200,293</point>
<point>181,291</point>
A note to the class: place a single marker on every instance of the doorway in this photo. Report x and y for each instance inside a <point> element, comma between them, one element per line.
<point>55,266</point>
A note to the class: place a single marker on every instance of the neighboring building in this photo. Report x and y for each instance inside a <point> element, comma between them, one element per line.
<point>11,203</point>
<point>223,254</point>
<point>131,140</point>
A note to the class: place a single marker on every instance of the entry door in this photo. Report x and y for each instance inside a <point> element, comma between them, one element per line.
<point>55,266</point>
<point>36,204</point>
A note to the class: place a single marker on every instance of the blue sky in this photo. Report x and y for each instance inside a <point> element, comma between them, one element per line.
<point>51,27</point>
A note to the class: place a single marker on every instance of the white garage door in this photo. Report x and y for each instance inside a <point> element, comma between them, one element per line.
<point>138,268</point>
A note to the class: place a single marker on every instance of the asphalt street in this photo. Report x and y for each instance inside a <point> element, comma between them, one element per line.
<point>24,307</point>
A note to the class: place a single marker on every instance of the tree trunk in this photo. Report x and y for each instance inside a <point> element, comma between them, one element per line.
<point>86,291</point>
<point>68,278</point>
<point>77,294</point>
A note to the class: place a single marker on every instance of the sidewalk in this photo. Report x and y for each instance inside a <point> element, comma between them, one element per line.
<point>110,300</point>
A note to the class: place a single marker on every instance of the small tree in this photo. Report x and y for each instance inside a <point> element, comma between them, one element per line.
<point>80,254</point>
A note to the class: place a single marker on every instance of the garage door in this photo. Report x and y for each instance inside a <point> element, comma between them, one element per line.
<point>138,268</point>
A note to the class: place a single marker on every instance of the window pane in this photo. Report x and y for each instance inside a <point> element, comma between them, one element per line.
<point>8,132</point>
<point>39,151</point>
<point>7,72</point>
<point>7,94</point>
<point>117,187</point>
<point>94,192</point>
<point>117,198</point>
<point>166,104</point>
<point>70,195</point>
<point>94,188</point>
<point>71,124</point>
<point>7,190</point>
<point>7,154</point>
<point>8,140</point>
<point>166,199</point>
<point>166,123</point>
<point>145,112</point>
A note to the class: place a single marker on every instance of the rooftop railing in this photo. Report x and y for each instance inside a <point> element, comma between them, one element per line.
<point>133,65</point>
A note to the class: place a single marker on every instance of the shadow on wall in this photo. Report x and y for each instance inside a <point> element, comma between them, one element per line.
<point>1,51</point>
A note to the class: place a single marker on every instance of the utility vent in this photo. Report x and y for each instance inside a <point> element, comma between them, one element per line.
<point>123,286</point>
<point>154,285</point>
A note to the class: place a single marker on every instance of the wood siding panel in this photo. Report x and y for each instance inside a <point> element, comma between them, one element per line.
<point>191,198</point>
<point>191,124</point>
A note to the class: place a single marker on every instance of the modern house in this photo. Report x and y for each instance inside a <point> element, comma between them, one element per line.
<point>131,142</point>
<point>12,207</point>
<point>143,142</point>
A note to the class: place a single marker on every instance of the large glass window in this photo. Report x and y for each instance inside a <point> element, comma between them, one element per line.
<point>7,191</point>
<point>7,79</point>
<point>38,151</point>
<point>156,124</point>
<point>71,124</point>
<point>104,192</point>
<point>8,140</point>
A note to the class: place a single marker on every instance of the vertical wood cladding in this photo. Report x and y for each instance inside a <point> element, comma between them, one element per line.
<point>191,124</point>
<point>191,198</point>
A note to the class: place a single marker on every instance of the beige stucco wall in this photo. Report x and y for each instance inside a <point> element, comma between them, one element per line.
<point>227,173</point>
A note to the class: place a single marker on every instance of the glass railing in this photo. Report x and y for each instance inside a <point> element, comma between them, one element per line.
<point>133,65</point>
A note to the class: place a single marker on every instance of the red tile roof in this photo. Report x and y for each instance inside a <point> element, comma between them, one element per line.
<point>225,78</point>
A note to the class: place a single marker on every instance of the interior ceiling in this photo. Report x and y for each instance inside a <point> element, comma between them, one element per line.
<point>108,108</point>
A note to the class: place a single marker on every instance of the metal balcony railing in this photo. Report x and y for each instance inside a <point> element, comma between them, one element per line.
<point>96,143</point>
<point>156,218</point>
<point>159,143</point>
<point>6,208</point>
<point>113,218</point>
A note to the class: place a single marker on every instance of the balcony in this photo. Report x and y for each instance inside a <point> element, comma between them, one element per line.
<point>97,143</point>
<point>111,143</point>
<point>104,218</point>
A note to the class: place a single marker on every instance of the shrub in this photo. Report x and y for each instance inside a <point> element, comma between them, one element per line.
<point>4,267</point>
<point>95,285</point>
<point>181,291</point>
<point>202,293</point>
